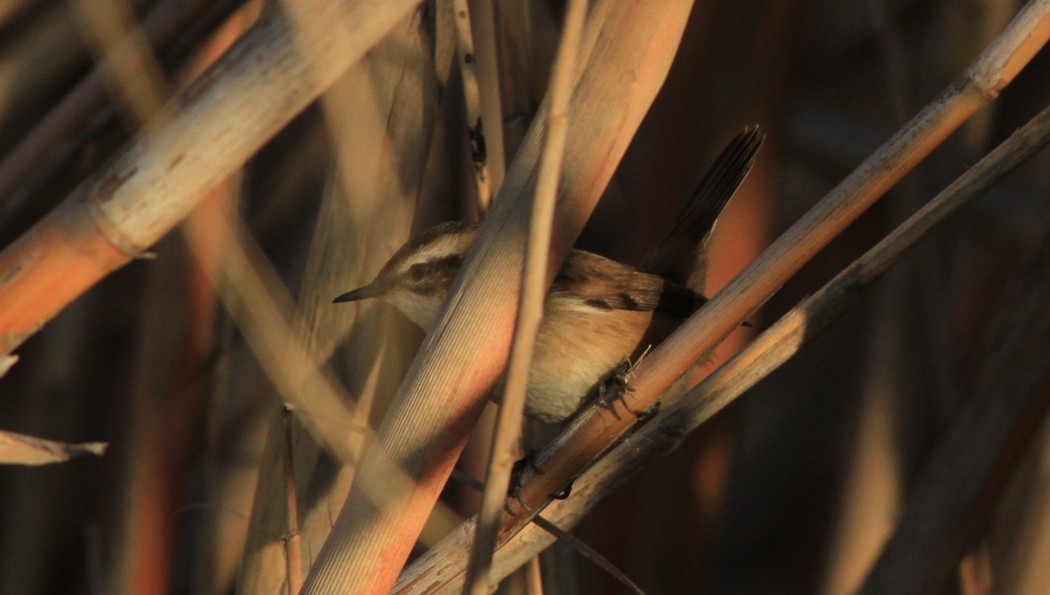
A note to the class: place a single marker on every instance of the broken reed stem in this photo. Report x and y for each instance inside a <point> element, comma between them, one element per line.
<point>507,433</point>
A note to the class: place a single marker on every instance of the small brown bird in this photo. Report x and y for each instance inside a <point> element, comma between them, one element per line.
<point>598,312</point>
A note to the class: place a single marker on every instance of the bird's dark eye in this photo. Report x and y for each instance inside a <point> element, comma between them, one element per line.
<point>417,272</point>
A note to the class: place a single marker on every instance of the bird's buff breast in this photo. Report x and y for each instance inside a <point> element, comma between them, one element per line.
<point>571,358</point>
<point>576,347</point>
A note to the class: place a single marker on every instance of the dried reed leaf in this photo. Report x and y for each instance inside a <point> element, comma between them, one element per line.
<point>20,449</point>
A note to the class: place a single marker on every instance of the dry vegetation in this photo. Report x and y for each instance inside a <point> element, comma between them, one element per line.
<point>186,184</point>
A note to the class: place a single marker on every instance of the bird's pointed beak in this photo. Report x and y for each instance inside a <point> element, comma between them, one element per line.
<point>373,289</point>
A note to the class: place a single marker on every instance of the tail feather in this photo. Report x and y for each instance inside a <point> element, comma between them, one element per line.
<point>680,255</point>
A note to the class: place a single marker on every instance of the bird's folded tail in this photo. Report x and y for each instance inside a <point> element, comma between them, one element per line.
<point>680,255</point>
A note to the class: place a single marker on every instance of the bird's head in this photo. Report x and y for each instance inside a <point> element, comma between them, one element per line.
<point>418,276</point>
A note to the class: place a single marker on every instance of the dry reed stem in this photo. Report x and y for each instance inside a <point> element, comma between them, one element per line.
<point>472,99</point>
<point>259,305</point>
<point>73,112</point>
<point>534,286</point>
<point>380,117</point>
<point>483,28</point>
<point>292,551</point>
<point>262,567</point>
<point>123,52</point>
<point>782,340</point>
<point>519,23</point>
<point>628,49</point>
<point>215,125</point>
<point>137,81</point>
<point>958,489</point>
<point>253,292</point>
<point>96,230</point>
<point>763,355</point>
<point>591,433</point>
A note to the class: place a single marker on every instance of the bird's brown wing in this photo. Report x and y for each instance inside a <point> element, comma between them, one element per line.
<point>609,285</point>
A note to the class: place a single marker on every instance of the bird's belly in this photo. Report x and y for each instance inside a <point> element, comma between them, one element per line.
<point>574,353</point>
